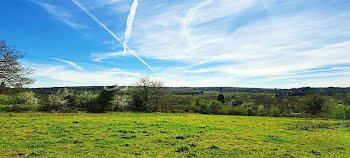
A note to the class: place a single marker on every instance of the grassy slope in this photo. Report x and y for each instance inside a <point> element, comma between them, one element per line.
<point>151,135</point>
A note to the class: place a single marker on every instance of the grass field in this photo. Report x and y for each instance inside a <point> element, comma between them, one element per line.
<point>169,135</point>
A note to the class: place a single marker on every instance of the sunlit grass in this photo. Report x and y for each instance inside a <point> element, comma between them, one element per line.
<point>170,135</point>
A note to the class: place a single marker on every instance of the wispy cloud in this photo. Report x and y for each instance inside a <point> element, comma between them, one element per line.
<point>98,57</point>
<point>60,76</point>
<point>60,14</point>
<point>251,42</point>
<point>110,32</point>
<point>129,23</point>
<point>76,66</point>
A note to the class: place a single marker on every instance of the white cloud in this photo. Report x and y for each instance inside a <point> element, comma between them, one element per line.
<point>61,14</point>
<point>76,66</point>
<point>98,57</point>
<point>67,77</point>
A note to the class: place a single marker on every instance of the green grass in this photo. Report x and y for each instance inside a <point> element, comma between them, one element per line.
<point>169,135</point>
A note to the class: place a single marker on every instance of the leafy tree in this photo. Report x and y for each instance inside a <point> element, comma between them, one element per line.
<point>221,98</point>
<point>313,103</point>
<point>102,102</point>
<point>215,106</point>
<point>12,73</point>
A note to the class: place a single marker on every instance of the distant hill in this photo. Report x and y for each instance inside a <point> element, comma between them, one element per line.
<point>199,90</point>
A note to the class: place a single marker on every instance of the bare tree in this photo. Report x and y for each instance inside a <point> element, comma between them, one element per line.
<point>147,91</point>
<point>158,91</point>
<point>12,73</point>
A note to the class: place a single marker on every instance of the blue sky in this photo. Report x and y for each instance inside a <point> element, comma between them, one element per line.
<point>235,43</point>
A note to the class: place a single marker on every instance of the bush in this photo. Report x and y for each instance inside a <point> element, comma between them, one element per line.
<point>239,110</point>
<point>102,102</point>
<point>61,101</point>
<point>138,103</point>
<point>313,103</point>
<point>54,103</point>
<point>84,100</point>
<point>274,111</point>
<point>215,106</point>
<point>4,99</point>
<point>120,103</point>
<point>341,112</point>
<point>261,110</point>
<point>19,108</point>
<point>24,98</point>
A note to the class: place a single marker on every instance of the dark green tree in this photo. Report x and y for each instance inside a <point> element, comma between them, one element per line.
<point>221,98</point>
<point>313,103</point>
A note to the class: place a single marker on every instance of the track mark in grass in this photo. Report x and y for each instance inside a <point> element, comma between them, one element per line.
<point>213,147</point>
<point>340,148</point>
<point>315,152</point>
<point>192,155</point>
<point>180,137</point>
<point>77,142</point>
<point>192,145</point>
<point>182,149</point>
<point>123,131</point>
<point>131,137</point>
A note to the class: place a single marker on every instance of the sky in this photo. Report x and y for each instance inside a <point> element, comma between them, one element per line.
<point>211,43</point>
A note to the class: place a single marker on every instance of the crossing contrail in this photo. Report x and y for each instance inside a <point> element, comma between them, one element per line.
<point>129,23</point>
<point>110,32</point>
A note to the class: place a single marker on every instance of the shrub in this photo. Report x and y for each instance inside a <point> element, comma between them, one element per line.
<point>341,112</point>
<point>54,103</point>
<point>313,103</point>
<point>215,106</point>
<point>221,98</point>
<point>261,110</point>
<point>102,102</point>
<point>275,111</point>
<point>120,103</point>
<point>138,103</point>
<point>239,110</point>
<point>4,99</point>
<point>61,101</point>
<point>84,99</point>
<point>24,98</point>
<point>236,103</point>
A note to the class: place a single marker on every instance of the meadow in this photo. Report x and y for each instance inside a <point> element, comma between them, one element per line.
<point>169,135</point>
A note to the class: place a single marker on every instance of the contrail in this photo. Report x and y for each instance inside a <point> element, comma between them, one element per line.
<point>70,63</point>
<point>96,20</point>
<point>110,32</point>
<point>129,23</point>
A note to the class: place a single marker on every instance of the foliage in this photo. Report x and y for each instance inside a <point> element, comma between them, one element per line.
<point>275,111</point>
<point>313,103</point>
<point>12,73</point>
<point>24,98</point>
<point>221,98</point>
<point>215,106</point>
<point>261,110</point>
<point>147,95</point>
<point>102,102</point>
<point>57,102</point>
<point>84,99</point>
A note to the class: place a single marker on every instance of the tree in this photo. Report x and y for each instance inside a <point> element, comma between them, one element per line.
<point>148,94</point>
<point>221,98</point>
<point>313,103</point>
<point>12,73</point>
